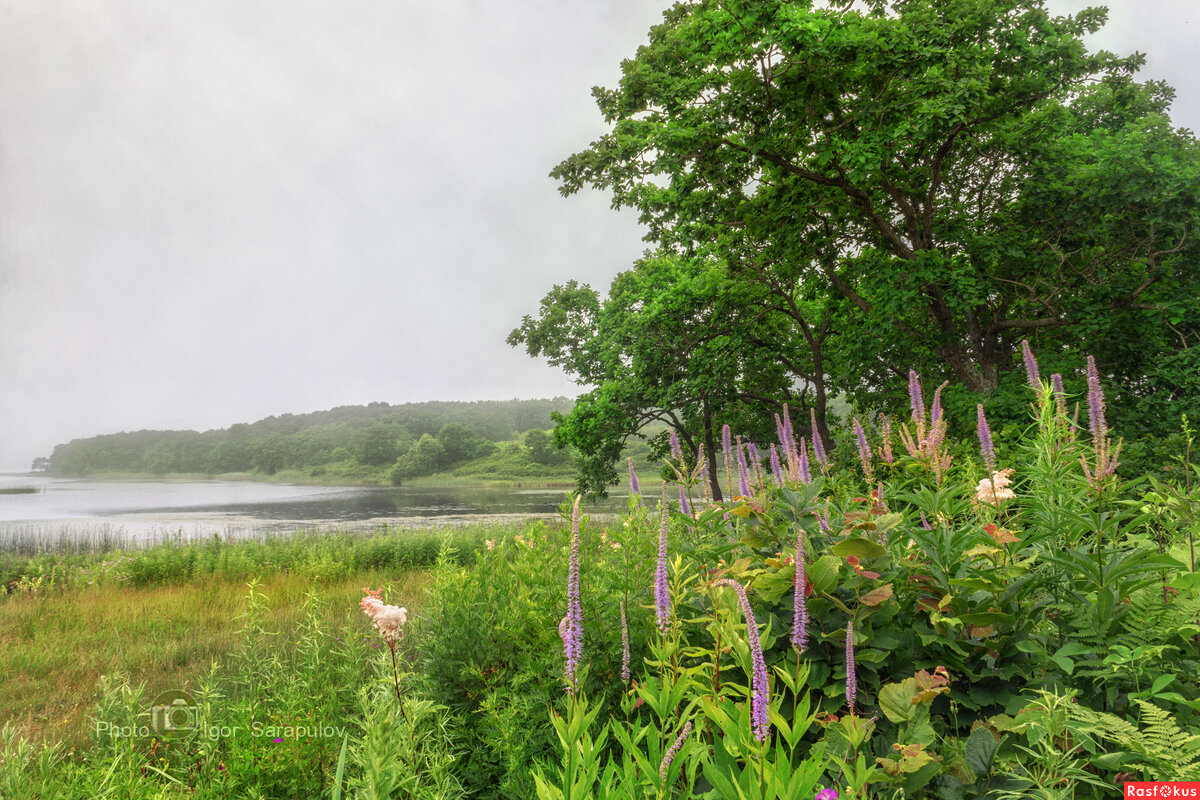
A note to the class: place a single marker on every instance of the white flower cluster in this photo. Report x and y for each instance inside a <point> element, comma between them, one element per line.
<point>994,490</point>
<point>388,619</point>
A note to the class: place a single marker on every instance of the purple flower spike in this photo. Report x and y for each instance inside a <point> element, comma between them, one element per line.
<point>915,400</point>
<point>743,474</point>
<point>935,409</point>
<point>851,677</point>
<point>662,591</point>
<point>800,603</point>
<point>805,475</point>
<point>756,463</point>
<point>789,442</point>
<point>760,700</point>
<point>1095,400</point>
<point>633,481</point>
<point>864,449</point>
<point>985,439</point>
<point>776,467</point>
<point>1060,394</point>
<point>1031,366</point>
<point>624,645</point>
<point>684,505</point>
<point>571,627</point>
<point>818,445</point>
<point>925,523</point>
<point>676,450</point>
<point>674,749</point>
<point>937,426</point>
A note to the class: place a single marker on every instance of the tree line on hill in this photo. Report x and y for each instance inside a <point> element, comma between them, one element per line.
<point>379,441</point>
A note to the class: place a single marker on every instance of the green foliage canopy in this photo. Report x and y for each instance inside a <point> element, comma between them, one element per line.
<point>943,177</point>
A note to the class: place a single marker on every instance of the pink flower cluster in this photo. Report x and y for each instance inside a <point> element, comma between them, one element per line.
<point>389,620</point>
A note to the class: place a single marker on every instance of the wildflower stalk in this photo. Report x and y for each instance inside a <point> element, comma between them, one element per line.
<point>756,464</point>
<point>926,444</point>
<point>760,698</point>
<point>571,627</point>
<point>776,467</point>
<point>985,439</point>
<point>864,449</point>
<point>396,680</point>
<point>662,590</point>
<point>1106,456</point>
<point>818,445</point>
<point>669,757</point>
<point>851,676</point>
<point>1060,394</point>
<point>743,473</point>
<point>389,621</point>
<point>799,637</point>
<point>1031,366</point>
<point>624,645</point>
<point>915,400</point>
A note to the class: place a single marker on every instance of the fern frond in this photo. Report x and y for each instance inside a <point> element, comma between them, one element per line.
<point>1161,750</point>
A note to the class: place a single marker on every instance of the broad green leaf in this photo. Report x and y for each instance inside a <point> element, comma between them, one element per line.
<point>980,750</point>
<point>896,700</point>
<point>863,549</point>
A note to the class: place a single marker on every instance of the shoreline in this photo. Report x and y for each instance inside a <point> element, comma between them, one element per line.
<point>298,478</point>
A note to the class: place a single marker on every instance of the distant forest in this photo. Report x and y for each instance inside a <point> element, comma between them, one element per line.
<point>373,443</point>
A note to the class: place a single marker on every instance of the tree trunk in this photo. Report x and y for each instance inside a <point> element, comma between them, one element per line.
<point>710,454</point>
<point>819,396</point>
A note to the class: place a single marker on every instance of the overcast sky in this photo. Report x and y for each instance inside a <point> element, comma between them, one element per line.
<point>216,210</point>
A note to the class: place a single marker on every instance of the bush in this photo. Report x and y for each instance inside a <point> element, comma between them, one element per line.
<point>977,606</point>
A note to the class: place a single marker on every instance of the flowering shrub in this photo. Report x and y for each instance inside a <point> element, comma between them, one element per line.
<point>923,609</point>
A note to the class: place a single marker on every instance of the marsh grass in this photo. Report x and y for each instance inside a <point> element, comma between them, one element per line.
<point>162,614</point>
<point>56,647</point>
<point>43,562</point>
<point>34,538</point>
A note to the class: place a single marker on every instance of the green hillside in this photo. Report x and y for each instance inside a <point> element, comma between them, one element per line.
<point>376,443</point>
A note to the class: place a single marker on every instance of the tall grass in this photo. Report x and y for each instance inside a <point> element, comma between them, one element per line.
<point>315,554</point>
<point>273,670</point>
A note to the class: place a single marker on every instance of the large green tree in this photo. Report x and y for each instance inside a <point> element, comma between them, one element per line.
<point>947,177</point>
<point>676,342</point>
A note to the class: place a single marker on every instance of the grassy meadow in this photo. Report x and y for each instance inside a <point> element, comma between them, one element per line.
<point>57,646</point>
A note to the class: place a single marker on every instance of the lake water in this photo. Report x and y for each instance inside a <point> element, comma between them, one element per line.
<point>150,510</point>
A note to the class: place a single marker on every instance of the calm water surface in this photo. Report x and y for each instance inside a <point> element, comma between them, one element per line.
<point>157,509</point>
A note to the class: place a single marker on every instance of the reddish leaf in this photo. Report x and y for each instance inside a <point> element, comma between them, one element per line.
<point>876,596</point>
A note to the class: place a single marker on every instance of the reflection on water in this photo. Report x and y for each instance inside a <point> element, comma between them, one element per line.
<point>374,503</point>
<point>151,509</point>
